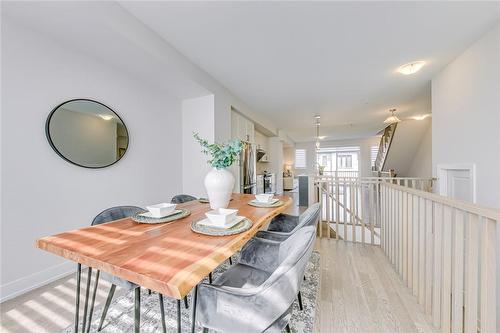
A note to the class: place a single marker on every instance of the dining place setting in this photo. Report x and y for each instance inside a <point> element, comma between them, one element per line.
<point>174,249</point>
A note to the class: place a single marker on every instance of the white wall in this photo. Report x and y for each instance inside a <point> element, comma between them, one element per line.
<point>466,120</point>
<point>43,194</point>
<point>405,144</point>
<point>421,166</point>
<point>466,115</point>
<point>198,117</point>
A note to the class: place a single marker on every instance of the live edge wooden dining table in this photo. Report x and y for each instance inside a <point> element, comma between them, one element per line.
<point>168,258</point>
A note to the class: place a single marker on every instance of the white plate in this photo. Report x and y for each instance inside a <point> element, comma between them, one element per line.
<point>272,202</point>
<point>149,215</point>
<point>208,223</point>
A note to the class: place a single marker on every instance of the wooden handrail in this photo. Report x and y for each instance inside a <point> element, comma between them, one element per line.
<point>488,212</point>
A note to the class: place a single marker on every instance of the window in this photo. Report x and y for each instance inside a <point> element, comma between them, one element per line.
<point>300,159</point>
<point>339,161</point>
<point>345,161</point>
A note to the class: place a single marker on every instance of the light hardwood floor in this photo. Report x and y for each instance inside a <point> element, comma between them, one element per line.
<point>360,292</point>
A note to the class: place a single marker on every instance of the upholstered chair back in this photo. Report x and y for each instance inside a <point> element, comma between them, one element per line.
<point>182,198</point>
<point>116,213</point>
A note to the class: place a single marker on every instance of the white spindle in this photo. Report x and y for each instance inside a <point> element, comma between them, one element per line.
<point>438,259</point>
<point>472,273</point>
<point>446,276</point>
<point>458,273</point>
<point>421,250</point>
<point>410,241</point>
<point>429,243</point>
<point>488,275</point>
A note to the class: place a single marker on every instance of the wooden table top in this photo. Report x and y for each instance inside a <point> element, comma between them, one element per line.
<point>168,258</point>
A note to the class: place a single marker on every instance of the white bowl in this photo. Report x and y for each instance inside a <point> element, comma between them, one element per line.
<point>222,216</point>
<point>264,197</point>
<point>161,209</point>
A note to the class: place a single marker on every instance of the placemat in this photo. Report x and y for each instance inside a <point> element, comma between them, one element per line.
<point>152,220</point>
<point>254,203</point>
<point>244,225</point>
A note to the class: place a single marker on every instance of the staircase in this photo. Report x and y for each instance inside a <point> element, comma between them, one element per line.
<point>385,144</point>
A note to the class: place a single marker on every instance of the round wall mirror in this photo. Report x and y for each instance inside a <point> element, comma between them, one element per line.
<point>87,133</point>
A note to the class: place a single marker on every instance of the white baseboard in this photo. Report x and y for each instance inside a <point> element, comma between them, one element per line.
<point>23,285</point>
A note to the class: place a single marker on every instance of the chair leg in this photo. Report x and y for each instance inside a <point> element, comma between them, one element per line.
<point>149,291</point>
<point>162,312</point>
<point>179,316</point>
<point>287,328</point>
<point>137,310</point>
<point>210,278</point>
<point>87,293</point>
<point>299,296</point>
<point>77,302</point>
<point>230,261</point>
<point>91,311</point>
<point>106,306</point>
<point>186,304</point>
<point>304,277</point>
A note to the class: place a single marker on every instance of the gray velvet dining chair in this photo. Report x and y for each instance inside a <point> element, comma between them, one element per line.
<point>108,215</point>
<point>257,293</point>
<point>182,198</point>
<point>284,225</point>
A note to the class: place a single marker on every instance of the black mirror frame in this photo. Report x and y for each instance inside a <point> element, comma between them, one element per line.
<point>49,139</point>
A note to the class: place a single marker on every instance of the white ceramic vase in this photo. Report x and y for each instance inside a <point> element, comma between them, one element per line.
<point>219,184</point>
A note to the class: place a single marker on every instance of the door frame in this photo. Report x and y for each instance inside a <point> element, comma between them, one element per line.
<point>442,175</point>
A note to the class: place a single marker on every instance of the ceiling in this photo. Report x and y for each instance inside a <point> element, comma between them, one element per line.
<point>292,60</point>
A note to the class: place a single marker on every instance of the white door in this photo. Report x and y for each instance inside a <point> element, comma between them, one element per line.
<point>457,182</point>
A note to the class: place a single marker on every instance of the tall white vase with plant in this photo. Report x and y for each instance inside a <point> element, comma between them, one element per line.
<point>219,182</point>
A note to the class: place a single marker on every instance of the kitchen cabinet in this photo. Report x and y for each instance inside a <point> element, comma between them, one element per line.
<point>242,128</point>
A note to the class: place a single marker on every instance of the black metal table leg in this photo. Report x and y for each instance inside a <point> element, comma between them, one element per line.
<point>193,317</point>
<point>179,316</point>
<point>299,296</point>
<point>106,306</point>
<point>91,311</point>
<point>162,312</point>
<point>77,302</point>
<point>87,293</point>
<point>137,310</point>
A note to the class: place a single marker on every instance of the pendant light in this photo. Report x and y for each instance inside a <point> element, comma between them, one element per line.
<point>317,117</point>
<point>392,119</point>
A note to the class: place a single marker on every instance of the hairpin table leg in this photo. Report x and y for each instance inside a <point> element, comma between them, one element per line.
<point>195,299</point>
<point>77,302</point>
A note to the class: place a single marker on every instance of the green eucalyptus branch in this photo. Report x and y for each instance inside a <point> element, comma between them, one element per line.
<point>222,155</point>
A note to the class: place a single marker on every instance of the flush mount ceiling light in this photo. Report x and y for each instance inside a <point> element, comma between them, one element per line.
<point>392,119</point>
<point>106,116</point>
<point>411,68</point>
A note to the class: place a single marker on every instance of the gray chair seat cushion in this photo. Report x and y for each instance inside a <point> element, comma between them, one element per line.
<point>127,285</point>
<point>242,276</point>
<point>283,226</point>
